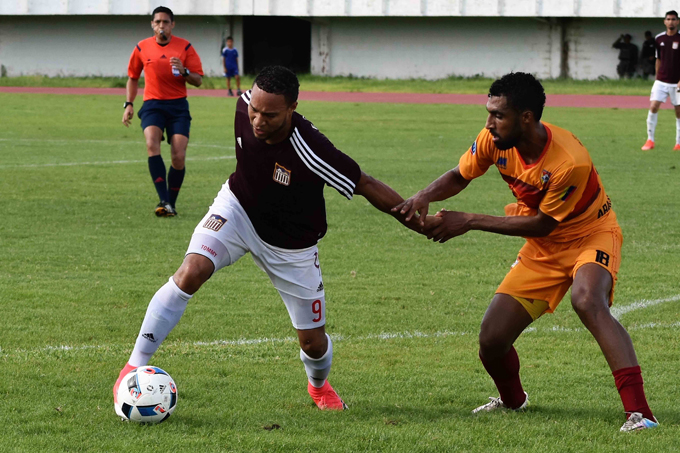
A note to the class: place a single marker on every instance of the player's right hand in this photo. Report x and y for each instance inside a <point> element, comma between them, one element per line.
<point>127,115</point>
<point>417,203</point>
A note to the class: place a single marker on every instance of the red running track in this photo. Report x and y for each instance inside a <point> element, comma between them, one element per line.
<point>553,100</point>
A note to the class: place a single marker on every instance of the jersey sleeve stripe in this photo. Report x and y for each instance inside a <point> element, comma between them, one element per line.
<point>187,47</point>
<point>317,169</point>
<point>139,48</point>
<point>246,98</point>
<point>338,175</point>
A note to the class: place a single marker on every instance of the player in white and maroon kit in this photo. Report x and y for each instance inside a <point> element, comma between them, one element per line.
<point>667,83</point>
<point>273,207</point>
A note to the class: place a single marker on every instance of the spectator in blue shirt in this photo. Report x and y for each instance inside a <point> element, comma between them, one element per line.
<point>230,65</point>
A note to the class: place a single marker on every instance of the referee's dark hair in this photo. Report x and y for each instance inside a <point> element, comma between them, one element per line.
<point>163,9</point>
<point>522,91</point>
<point>671,13</point>
<point>279,80</point>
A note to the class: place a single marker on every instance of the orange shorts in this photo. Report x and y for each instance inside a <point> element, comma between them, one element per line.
<point>545,270</point>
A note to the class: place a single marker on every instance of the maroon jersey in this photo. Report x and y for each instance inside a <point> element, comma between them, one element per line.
<point>668,51</point>
<point>280,186</point>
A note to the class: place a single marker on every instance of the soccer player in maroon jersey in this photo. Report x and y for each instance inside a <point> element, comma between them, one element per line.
<point>273,207</point>
<point>169,63</point>
<point>667,83</point>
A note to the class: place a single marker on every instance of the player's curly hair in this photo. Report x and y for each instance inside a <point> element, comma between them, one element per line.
<point>163,9</point>
<point>523,92</point>
<point>279,80</point>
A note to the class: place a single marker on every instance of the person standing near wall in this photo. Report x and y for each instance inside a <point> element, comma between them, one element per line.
<point>667,83</point>
<point>169,63</point>
<point>648,56</point>
<point>230,65</point>
<point>627,56</point>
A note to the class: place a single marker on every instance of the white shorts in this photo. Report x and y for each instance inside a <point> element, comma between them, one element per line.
<point>661,91</point>
<point>225,234</point>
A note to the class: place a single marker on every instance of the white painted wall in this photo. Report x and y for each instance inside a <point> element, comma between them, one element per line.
<point>350,8</point>
<point>101,45</point>
<point>434,48</point>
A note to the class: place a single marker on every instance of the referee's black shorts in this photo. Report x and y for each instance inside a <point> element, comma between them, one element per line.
<point>171,116</point>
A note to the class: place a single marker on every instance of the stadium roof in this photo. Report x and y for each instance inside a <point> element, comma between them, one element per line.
<point>347,8</point>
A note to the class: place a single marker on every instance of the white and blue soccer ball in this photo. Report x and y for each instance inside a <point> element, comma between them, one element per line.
<point>147,395</point>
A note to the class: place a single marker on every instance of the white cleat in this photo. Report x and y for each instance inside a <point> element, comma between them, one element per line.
<point>636,422</point>
<point>497,403</point>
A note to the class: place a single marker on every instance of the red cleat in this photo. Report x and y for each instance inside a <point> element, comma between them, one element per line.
<point>676,147</point>
<point>326,398</point>
<point>126,369</point>
<point>649,144</point>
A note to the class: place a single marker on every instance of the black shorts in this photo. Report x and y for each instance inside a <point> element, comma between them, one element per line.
<point>171,116</point>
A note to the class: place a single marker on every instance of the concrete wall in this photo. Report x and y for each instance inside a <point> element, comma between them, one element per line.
<point>434,48</point>
<point>382,47</point>
<point>101,45</point>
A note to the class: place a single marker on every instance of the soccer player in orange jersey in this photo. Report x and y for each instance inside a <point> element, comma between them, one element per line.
<point>169,63</point>
<point>573,240</point>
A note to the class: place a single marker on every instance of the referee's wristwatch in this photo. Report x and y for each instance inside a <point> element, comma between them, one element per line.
<point>126,103</point>
<point>185,73</point>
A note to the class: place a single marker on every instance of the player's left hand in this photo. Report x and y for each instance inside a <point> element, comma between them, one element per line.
<point>177,64</point>
<point>453,223</point>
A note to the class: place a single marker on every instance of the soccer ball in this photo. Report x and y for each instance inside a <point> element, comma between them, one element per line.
<point>147,395</point>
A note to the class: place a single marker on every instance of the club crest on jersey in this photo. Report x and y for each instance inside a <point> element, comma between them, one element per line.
<point>545,177</point>
<point>214,222</point>
<point>502,162</point>
<point>473,148</point>
<point>281,175</point>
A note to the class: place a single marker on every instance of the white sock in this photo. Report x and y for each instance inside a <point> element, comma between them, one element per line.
<point>651,124</point>
<point>318,369</point>
<point>677,131</point>
<point>165,310</point>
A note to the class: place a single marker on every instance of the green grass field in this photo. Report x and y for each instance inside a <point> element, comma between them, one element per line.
<point>82,254</point>
<point>464,85</point>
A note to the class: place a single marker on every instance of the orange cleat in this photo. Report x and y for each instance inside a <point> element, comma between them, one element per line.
<point>649,144</point>
<point>126,369</point>
<point>326,398</point>
<point>676,147</point>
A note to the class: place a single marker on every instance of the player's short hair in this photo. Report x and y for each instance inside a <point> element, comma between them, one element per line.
<point>279,80</point>
<point>523,92</point>
<point>671,13</point>
<point>228,38</point>
<point>163,9</point>
<point>648,33</point>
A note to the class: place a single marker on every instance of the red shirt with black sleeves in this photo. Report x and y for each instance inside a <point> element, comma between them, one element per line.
<point>161,80</point>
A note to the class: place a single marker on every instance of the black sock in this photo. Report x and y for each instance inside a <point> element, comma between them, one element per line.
<point>157,170</point>
<point>175,179</point>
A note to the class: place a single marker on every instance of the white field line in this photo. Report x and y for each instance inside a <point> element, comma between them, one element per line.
<point>640,305</point>
<point>117,142</point>
<point>108,162</point>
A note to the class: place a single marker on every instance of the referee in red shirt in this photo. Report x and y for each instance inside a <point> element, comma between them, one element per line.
<point>169,63</point>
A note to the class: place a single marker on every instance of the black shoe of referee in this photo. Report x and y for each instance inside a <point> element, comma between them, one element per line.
<point>165,209</point>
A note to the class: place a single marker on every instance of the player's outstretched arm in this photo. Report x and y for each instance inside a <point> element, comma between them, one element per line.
<point>446,186</point>
<point>455,223</point>
<point>383,197</point>
<point>130,94</point>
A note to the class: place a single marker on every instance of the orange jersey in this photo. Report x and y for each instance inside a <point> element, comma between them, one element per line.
<point>562,183</point>
<point>161,81</point>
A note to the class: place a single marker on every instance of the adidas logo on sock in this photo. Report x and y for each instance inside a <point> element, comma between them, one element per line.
<point>150,337</point>
<point>320,288</point>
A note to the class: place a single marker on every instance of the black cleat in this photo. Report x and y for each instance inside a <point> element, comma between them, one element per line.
<point>165,209</point>
<point>231,93</point>
<point>239,92</point>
